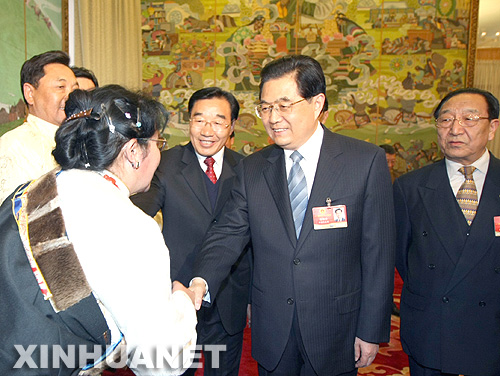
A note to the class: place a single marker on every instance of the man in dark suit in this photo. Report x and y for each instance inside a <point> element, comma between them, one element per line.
<point>447,251</point>
<point>321,294</point>
<point>190,186</point>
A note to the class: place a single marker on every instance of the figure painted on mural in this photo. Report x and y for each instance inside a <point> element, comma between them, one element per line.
<point>286,10</point>
<point>444,84</point>
<point>237,69</point>
<point>361,117</point>
<point>155,81</point>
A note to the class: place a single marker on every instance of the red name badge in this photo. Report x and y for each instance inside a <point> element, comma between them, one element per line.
<point>496,221</point>
<point>326,217</point>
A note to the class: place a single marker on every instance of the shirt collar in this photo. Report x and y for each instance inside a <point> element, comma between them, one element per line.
<point>218,157</point>
<point>115,180</point>
<point>312,147</point>
<point>42,125</point>
<point>481,164</point>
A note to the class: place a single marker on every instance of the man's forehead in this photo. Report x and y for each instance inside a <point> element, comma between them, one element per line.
<point>285,89</point>
<point>217,106</point>
<point>465,102</point>
<point>57,68</point>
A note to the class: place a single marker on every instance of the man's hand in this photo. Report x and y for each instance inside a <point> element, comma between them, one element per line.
<point>364,352</point>
<point>199,288</point>
<point>177,286</point>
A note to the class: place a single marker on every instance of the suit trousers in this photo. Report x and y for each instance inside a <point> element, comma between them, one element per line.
<point>417,369</point>
<point>211,332</point>
<point>294,361</point>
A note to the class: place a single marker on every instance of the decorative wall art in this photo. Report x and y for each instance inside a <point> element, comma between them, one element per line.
<point>29,27</point>
<point>387,63</point>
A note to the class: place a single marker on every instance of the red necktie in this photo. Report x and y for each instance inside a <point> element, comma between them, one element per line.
<point>209,161</point>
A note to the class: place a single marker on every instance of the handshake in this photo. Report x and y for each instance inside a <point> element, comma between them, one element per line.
<point>196,291</point>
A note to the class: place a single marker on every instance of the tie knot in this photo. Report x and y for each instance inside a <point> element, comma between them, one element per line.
<point>467,171</point>
<point>209,161</point>
<point>296,156</point>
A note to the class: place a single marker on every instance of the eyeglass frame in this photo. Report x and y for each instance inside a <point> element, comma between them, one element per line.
<point>161,140</point>
<point>210,123</point>
<point>460,121</point>
<point>275,106</point>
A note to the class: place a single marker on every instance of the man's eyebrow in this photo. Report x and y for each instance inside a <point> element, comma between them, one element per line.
<point>285,98</point>
<point>222,116</point>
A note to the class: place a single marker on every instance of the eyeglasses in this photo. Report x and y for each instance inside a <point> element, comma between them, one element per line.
<point>468,120</point>
<point>161,143</point>
<point>281,107</point>
<point>217,125</point>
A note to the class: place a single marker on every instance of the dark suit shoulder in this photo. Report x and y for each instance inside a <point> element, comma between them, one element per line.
<point>264,156</point>
<point>232,156</point>
<point>350,143</point>
<point>422,174</point>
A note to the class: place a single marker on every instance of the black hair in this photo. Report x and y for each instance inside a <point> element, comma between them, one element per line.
<point>491,101</point>
<point>85,73</point>
<point>307,72</point>
<point>216,92</point>
<point>389,149</point>
<point>100,122</point>
<point>34,69</point>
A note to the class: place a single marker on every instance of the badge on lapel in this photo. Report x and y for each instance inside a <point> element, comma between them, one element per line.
<point>327,217</point>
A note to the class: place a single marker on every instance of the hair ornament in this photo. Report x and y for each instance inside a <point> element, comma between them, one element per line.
<point>78,115</point>
<point>108,119</point>
<point>138,124</point>
<point>85,155</point>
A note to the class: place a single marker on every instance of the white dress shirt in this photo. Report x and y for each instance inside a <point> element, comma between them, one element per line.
<point>127,265</point>
<point>26,154</point>
<point>310,153</point>
<point>457,178</point>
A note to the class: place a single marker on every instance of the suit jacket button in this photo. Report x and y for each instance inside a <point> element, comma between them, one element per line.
<point>424,233</point>
<point>445,299</point>
<point>497,270</point>
<point>296,261</point>
<point>431,266</point>
<point>290,301</point>
<point>214,221</point>
<point>482,304</point>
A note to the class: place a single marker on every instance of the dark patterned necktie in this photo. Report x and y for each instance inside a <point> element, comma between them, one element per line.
<point>209,161</point>
<point>467,194</point>
<point>297,189</point>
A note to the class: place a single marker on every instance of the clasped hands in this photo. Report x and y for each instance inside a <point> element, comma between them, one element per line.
<point>196,291</point>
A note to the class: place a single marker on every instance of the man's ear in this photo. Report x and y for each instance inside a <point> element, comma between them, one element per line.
<point>28,91</point>
<point>493,128</point>
<point>319,101</point>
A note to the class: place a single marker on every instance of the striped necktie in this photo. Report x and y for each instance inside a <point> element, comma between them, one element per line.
<point>467,194</point>
<point>297,189</point>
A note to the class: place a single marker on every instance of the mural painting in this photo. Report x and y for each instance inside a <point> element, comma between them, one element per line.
<point>387,63</point>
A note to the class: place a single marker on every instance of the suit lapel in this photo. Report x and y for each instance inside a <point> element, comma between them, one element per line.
<point>481,235</point>
<point>225,181</point>
<point>330,160</point>
<point>275,175</point>
<point>440,204</point>
<point>193,175</point>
